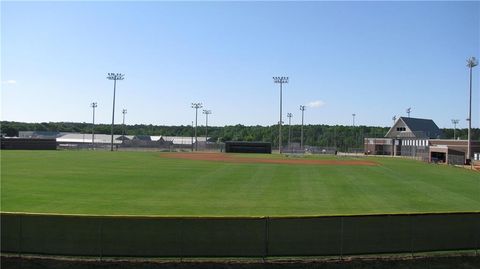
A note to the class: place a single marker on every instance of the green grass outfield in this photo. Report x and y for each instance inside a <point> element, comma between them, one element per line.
<point>143,183</point>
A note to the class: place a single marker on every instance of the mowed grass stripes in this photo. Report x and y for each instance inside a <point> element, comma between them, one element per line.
<point>144,183</point>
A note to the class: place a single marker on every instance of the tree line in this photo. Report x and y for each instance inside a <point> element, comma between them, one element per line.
<point>339,136</point>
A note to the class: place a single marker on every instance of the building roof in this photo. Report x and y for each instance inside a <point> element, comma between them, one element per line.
<point>417,128</point>
<point>65,137</point>
<point>87,138</point>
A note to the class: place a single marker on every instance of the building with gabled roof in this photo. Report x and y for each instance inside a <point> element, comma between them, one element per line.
<point>414,128</point>
<point>422,139</point>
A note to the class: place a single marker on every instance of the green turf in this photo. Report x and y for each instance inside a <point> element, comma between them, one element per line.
<point>143,183</point>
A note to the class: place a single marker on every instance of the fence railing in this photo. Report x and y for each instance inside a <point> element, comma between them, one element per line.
<point>237,237</point>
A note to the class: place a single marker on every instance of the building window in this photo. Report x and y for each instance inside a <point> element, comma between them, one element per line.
<point>401,129</point>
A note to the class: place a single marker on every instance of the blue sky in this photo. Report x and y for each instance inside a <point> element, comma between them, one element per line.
<point>374,59</point>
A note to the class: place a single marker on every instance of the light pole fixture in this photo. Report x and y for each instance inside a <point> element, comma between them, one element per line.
<point>124,111</point>
<point>454,122</point>
<point>114,77</point>
<point>193,127</point>
<point>471,63</point>
<point>289,115</point>
<point>394,118</point>
<point>281,81</point>
<point>206,112</point>
<point>93,105</point>
<point>353,115</point>
<point>196,106</point>
<point>408,111</point>
<point>302,108</point>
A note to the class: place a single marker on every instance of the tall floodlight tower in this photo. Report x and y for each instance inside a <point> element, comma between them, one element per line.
<point>196,106</point>
<point>353,116</point>
<point>114,77</point>
<point>289,115</point>
<point>394,118</point>
<point>93,105</point>
<point>124,111</point>
<point>302,108</point>
<point>454,122</point>
<point>206,112</point>
<point>281,81</point>
<point>408,111</point>
<point>471,63</point>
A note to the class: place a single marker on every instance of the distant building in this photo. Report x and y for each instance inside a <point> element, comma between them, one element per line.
<point>420,138</point>
<point>79,140</point>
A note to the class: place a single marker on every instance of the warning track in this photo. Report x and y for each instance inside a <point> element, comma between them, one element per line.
<point>230,158</point>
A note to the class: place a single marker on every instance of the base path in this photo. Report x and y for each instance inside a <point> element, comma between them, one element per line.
<point>230,158</point>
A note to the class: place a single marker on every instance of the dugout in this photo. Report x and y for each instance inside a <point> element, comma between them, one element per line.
<point>248,147</point>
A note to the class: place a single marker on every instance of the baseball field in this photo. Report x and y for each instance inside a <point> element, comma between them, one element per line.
<point>215,184</point>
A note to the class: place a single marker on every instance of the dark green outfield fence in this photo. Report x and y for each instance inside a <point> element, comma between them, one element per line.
<point>237,237</point>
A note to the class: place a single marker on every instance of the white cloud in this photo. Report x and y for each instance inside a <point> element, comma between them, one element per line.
<point>10,81</point>
<point>316,104</point>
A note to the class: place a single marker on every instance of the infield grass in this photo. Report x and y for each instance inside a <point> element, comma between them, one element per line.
<point>144,183</point>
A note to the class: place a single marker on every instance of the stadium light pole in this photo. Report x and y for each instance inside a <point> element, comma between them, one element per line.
<point>192,134</point>
<point>471,63</point>
<point>124,111</point>
<point>93,105</point>
<point>289,115</point>
<point>394,118</point>
<point>196,106</point>
<point>408,111</point>
<point>206,112</point>
<point>353,115</point>
<point>114,77</point>
<point>455,122</point>
<point>302,108</point>
<point>281,81</point>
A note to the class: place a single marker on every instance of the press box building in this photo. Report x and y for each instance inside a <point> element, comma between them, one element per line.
<point>420,138</point>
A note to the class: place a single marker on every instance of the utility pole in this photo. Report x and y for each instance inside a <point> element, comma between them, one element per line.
<point>289,115</point>
<point>302,108</point>
<point>206,112</point>
<point>455,122</point>
<point>281,81</point>
<point>124,111</point>
<point>114,77</point>
<point>196,106</point>
<point>471,63</point>
<point>93,105</point>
